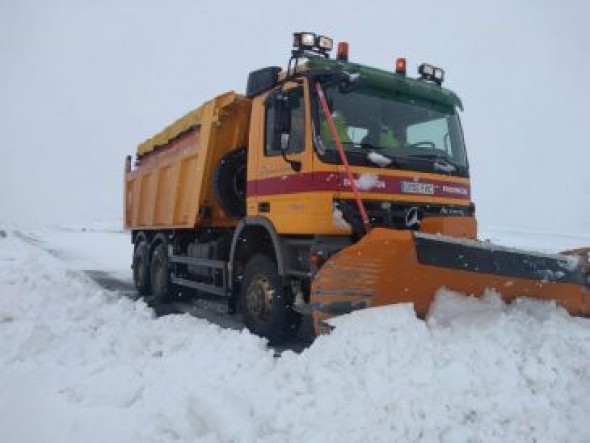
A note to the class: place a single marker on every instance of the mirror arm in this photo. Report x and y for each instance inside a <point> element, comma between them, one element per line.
<point>295,164</point>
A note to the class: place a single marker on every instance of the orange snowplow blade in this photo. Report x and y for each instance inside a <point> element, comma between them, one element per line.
<point>395,266</point>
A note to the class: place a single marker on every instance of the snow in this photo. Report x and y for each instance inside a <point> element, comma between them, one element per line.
<point>338,218</point>
<point>84,248</point>
<point>526,238</point>
<point>367,181</point>
<point>378,159</point>
<point>82,364</point>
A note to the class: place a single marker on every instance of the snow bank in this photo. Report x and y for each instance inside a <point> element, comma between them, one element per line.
<point>79,364</point>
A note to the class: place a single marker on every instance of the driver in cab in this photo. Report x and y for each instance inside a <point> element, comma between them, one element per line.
<point>387,138</point>
<point>341,129</point>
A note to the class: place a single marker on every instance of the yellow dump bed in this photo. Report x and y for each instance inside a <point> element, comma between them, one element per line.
<point>170,185</point>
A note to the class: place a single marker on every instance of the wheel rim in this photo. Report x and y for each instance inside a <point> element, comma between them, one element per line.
<point>259,298</point>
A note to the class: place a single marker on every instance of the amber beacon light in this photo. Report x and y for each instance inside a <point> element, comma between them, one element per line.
<point>400,66</point>
<point>342,53</point>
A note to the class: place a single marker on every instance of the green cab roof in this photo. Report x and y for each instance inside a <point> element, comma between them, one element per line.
<point>387,80</point>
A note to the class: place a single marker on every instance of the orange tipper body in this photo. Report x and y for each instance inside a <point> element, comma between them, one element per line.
<point>246,197</point>
<point>171,185</point>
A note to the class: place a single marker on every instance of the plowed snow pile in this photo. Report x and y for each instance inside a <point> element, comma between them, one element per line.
<point>80,364</point>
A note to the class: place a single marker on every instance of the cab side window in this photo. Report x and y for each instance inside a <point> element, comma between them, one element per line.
<point>297,139</point>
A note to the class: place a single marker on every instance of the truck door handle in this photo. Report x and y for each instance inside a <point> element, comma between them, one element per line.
<point>264,207</point>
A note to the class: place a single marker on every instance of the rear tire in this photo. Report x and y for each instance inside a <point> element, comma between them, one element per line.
<point>141,268</point>
<point>160,275</point>
<point>266,304</point>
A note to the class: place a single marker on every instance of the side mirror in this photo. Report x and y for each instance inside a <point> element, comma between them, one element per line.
<point>282,123</point>
<point>281,105</point>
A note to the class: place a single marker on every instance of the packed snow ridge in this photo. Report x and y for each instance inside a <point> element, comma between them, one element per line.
<point>81,364</point>
<point>378,159</point>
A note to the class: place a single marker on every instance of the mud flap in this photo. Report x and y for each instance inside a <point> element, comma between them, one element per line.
<point>394,266</point>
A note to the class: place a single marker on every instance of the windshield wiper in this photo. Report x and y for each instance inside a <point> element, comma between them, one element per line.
<point>366,145</point>
<point>445,163</point>
<point>379,159</point>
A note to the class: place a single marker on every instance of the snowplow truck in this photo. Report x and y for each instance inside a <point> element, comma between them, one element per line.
<point>329,186</point>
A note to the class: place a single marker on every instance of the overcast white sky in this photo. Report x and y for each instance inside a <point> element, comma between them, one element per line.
<point>82,82</point>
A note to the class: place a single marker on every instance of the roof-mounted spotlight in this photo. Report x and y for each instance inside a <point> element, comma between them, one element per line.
<point>308,41</point>
<point>432,73</point>
<point>439,75</point>
<point>304,40</point>
<point>325,44</point>
<point>305,43</point>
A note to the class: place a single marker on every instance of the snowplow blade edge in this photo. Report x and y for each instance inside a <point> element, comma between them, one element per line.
<point>392,266</point>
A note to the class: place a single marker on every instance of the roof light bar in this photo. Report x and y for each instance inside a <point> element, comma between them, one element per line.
<point>432,73</point>
<point>308,41</point>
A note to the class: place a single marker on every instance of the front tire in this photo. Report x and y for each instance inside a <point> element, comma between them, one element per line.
<point>160,275</point>
<point>266,304</point>
<point>141,268</point>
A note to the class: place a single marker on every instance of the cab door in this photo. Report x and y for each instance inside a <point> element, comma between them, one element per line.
<point>278,189</point>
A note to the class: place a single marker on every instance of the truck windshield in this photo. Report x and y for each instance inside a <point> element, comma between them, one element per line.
<point>390,129</point>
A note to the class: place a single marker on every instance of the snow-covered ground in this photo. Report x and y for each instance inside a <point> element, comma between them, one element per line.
<point>79,363</point>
